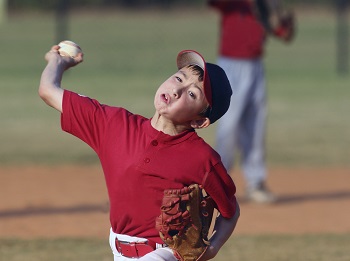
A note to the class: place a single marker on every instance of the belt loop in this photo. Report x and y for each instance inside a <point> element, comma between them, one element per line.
<point>117,245</point>
<point>152,244</point>
<point>160,245</point>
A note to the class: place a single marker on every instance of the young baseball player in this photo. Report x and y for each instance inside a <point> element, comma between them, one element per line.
<point>142,157</point>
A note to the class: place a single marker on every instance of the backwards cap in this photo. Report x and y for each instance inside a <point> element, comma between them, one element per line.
<point>217,88</point>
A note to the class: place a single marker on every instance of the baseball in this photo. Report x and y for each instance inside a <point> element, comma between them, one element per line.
<point>69,48</point>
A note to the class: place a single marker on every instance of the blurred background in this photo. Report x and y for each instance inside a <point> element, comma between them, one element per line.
<point>130,47</point>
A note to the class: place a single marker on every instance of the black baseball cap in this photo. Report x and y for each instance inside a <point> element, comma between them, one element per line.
<point>217,87</point>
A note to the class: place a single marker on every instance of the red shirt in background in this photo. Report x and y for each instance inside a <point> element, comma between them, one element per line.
<point>241,35</point>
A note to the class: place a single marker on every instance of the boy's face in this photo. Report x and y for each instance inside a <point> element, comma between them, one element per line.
<point>181,98</point>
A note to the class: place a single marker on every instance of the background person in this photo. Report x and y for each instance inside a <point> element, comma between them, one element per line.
<point>244,27</point>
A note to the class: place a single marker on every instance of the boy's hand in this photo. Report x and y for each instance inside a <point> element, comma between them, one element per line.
<point>50,83</point>
<point>66,61</point>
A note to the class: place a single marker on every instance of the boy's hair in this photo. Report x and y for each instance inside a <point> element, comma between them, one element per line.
<point>196,71</point>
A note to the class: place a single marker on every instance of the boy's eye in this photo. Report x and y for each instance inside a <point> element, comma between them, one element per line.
<point>178,79</point>
<point>192,95</point>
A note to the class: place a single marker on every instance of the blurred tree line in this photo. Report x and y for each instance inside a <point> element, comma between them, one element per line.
<point>49,4</point>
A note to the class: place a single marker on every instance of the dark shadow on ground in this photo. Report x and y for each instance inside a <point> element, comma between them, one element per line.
<point>290,199</point>
<point>37,211</point>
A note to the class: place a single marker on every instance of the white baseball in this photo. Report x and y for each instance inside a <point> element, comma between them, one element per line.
<point>69,48</point>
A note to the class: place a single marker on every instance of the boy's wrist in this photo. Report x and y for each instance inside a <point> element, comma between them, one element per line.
<point>209,253</point>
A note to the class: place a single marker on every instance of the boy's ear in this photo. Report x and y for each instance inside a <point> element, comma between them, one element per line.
<point>200,123</point>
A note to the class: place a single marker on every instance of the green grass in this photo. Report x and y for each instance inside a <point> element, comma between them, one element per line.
<point>323,247</point>
<point>129,54</point>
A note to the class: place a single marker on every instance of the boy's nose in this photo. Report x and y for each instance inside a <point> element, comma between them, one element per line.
<point>177,92</point>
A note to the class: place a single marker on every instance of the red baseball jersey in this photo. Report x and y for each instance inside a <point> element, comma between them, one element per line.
<point>139,163</point>
<point>242,35</point>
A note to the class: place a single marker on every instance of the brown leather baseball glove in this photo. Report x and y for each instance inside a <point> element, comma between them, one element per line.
<point>185,223</point>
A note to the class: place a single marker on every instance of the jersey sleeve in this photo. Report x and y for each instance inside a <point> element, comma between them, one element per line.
<point>220,186</point>
<point>84,118</point>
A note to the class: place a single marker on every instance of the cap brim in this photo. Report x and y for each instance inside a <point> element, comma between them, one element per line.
<point>190,57</point>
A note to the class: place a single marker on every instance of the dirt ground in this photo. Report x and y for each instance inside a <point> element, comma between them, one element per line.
<point>71,201</point>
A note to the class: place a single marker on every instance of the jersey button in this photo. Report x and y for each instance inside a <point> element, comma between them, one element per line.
<point>147,160</point>
<point>154,142</point>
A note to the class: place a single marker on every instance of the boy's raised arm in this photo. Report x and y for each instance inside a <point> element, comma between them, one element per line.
<point>50,83</point>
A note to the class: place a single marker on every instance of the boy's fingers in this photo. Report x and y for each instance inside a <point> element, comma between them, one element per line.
<point>54,49</point>
<point>79,58</point>
<point>69,61</point>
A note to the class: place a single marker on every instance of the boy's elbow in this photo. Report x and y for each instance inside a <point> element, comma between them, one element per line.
<point>51,96</point>
<point>238,211</point>
<point>44,94</point>
<point>41,92</point>
<point>238,208</point>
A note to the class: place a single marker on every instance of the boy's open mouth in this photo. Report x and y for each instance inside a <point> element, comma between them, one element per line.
<point>165,98</point>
